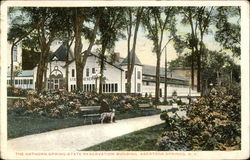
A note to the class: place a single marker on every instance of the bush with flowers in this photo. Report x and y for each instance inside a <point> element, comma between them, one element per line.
<point>17,92</point>
<point>213,123</point>
<point>60,104</point>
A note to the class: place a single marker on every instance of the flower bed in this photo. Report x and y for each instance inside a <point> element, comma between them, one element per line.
<point>61,104</point>
<point>213,123</point>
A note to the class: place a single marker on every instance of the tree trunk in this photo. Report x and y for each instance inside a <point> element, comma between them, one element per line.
<point>128,86</point>
<point>131,68</point>
<point>157,78</point>
<point>192,68</point>
<point>39,76</point>
<point>93,37</point>
<point>198,72</point>
<point>78,48</point>
<point>67,73</point>
<point>11,67</point>
<point>45,75</point>
<point>102,68</point>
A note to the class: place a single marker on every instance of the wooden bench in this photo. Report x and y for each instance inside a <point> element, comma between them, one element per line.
<point>144,105</point>
<point>147,109</point>
<point>90,116</point>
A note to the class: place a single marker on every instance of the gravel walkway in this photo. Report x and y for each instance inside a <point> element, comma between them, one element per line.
<point>78,138</point>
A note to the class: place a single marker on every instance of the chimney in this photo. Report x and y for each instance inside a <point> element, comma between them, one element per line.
<point>117,56</point>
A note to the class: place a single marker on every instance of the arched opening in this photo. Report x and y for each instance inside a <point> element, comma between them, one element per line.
<point>56,79</point>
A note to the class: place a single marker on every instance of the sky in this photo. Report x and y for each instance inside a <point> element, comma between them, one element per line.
<point>144,46</point>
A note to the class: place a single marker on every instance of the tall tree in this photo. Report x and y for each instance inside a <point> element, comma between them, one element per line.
<point>66,35</point>
<point>19,29</point>
<point>49,20</point>
<point>228,33</point>
<point>131,52</point>
<point>204,18</point>
<point>111,25</point>
<point>81,15</point>
<point>199,19</point>
<point>189,17</point>
<point>156,20</point>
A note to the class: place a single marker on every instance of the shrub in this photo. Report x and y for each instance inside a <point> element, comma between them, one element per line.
<point>60,104</point>
<point>17,92</point>
<point>213,123</point>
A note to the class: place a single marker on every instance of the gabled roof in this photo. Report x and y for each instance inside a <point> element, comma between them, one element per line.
<point>60,54</point>
<point>151,71</point>
<point>137,61</point>
<point>115,64</point>
<point>23,73</point>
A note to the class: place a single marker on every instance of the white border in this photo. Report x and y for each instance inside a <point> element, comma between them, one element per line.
<point>244,153</point>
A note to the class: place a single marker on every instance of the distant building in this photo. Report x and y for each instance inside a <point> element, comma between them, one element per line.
<point>186,72</point>
<point>143,77</point>
<point>17,56</point>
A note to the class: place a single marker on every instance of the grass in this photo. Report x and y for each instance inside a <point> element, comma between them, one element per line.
<point>19,126</point>
<point>142,140</point>
<point>26,125</point>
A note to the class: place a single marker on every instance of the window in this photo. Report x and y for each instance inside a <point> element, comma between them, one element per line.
<point>87,72</point>
<point>112,88</point>
<point>107,88</point>
<point>84,87</point>
<point>103,88</point>
<point>116,87</point>
<point>31,81</point>
<point>15,53</point>
<point>16,81</point>
<point>138,74</point>
<point>73,73</point>
<point>93,70</point>
<point>87,87</point>
<point>138,87</point>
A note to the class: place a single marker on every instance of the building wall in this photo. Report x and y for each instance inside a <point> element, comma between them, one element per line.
<point>187,73</point>
<point>18,61</point>
<point>180,89</point>
<point>136,82</point>
<point>22,82</point>
<point>112,75</point>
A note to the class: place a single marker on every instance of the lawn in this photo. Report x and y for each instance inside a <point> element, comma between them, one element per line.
<point>142,140</point>
<point>26,125</point>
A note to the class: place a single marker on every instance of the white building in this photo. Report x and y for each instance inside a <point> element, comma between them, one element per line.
<point>143,77</point>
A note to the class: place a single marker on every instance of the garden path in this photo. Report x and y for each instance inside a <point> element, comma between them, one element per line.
<point>78,138</point>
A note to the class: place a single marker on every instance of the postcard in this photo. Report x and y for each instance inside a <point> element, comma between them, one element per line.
<point>124,79</point>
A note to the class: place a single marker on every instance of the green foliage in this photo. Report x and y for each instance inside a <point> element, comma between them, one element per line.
<point>16,92</point>
<point>61,104</point>
<point>214,123</point>
<point>228,33</point>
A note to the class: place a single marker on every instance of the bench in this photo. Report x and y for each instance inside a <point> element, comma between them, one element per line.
<point>144,105</point>
<point>147,109</point>
<point>88,113</point>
